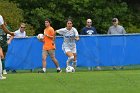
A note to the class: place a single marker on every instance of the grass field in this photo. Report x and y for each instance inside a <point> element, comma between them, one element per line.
<point>122,81</point>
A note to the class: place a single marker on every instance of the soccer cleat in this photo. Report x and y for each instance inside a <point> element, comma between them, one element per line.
<point>121,67</point>
<point>41,71</point>
<point>90,68</point>
<point>4,72</point>
<point>98,68</point>
<point>59,71</point>
<point>2,77</point>
<point>114,68</point>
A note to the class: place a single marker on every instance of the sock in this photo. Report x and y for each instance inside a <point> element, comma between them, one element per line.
<point>0,68</point>
<point>58,68</point>
<point>70,59</point>
<point>44,69</point>
<point>74,64</point>
<point>3,64</point>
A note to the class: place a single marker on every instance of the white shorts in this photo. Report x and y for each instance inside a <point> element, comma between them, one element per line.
<point>69,49</point>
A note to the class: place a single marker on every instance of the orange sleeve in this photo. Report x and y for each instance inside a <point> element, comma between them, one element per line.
<point>51,32</point>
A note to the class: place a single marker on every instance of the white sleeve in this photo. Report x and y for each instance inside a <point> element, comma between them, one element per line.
<point>61,31</point>
<point>24,34</point>
<point>16,34</point>
<point>109,32</point>
<point>76,32</point>
<point>123,30</point>
<point>1,20</point>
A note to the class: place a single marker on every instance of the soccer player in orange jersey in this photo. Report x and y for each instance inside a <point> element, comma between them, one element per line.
<point>49,47</point>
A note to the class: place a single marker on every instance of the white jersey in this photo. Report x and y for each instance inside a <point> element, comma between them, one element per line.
<point>1,20</point>
<point>69,38</point>
<point>19,34</point>
<point>68,35</point>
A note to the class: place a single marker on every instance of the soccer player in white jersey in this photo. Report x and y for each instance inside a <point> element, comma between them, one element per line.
<point>70,35</point>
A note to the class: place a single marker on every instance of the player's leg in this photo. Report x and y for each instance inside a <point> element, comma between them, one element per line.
<point>0,69</point>
<point>70,57</point>
<point>52,55</point>
<point>1,56</point>
<point>4,48</point>
<point>75,56</point>
<point>74,64</point>
<point>44,63</point>
<point>3,62</point>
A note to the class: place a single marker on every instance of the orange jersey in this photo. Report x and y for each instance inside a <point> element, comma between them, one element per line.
<point>49,42</point>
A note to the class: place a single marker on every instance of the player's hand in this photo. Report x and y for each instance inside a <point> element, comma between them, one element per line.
<point>77,38</point>
<point>12,33</point>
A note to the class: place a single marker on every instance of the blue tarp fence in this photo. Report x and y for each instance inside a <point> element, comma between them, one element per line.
<point>98,50</point>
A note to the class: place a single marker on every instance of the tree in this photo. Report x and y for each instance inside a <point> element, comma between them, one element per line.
<point>100,11</point>
<point>11,13</point>
<point>13,16</point>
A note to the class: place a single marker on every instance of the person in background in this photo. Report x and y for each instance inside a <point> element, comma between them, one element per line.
<point>20,33</point>
<point>114,30</point>
<point>90,30</point>
<point>2,39</point>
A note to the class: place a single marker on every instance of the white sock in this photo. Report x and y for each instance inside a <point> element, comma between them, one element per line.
<point>44,69</point>
<point>58,68</point>
<point>68,63</point>
<point>70,59</point>
<point>0,68</point>
<point>74,64</point>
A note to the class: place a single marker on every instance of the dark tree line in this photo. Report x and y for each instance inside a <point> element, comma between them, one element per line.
<point>100,11</point>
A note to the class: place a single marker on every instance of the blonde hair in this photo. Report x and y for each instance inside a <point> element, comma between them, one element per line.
<point>23,24</point>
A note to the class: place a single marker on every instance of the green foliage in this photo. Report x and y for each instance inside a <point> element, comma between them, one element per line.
<point>100,11</point>
<point>11,13</point>
<point>132,29</point>
<point>13,16</point>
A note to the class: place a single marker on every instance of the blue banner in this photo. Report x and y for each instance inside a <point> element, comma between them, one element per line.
<point>99,50</point>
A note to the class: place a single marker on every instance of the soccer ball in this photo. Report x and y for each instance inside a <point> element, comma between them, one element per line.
<point>40,36</point>
<point>70,69</point>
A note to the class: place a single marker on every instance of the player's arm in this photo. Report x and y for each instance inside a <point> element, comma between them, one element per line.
<point>6,30</point>
<point>76,35</point>
<point>50,35</point>
<point>56,31</point>
<point>60,31</point>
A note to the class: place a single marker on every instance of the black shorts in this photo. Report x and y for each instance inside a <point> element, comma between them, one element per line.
<point>3,43</point>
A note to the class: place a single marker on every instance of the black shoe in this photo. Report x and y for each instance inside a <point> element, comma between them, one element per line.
<point>121,67</point>
<point>59,71</point>
<point>14,71</point>
<point>114,68</point>
<point>41,71</point>
<point>31,70</point>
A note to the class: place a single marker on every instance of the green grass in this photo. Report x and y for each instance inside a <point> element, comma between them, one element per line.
<point>120,81</point>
